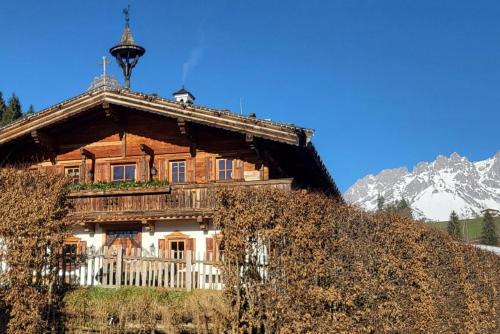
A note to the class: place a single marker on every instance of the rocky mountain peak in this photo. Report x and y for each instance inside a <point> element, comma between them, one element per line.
<point>435,189</point>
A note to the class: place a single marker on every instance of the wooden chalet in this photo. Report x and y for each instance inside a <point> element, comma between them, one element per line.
<point>172,153</point>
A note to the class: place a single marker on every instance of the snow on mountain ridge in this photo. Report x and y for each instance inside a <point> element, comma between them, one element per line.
<point>435,188</point>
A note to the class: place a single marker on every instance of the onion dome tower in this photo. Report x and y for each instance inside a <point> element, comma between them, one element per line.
<point>127,52</point>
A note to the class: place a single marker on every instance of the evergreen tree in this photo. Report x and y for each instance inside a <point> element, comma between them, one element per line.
<point>489,235</point>
<point>404,209</point>
<point>31,110</point>
<point>13,110</point>
<point>454,226</point>
<point>2,107</point>
<point>380,202</point>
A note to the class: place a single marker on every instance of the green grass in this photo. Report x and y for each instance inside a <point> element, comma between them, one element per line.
<point>131,293</point>
<point>471,228</point>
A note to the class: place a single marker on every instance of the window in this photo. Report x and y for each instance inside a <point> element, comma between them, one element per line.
<point>225,169</point>
<point>177,249</point>
<point>175,245</point>
<point>178,171</point>
<point>73,173</point>
<point>123,173</point>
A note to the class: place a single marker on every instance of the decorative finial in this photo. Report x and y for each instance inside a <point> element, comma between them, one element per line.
<point>127,52</point>
<point>126,13</point>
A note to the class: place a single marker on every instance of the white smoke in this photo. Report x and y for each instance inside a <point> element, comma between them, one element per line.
<point>194,56</point>
<point>193,60</point>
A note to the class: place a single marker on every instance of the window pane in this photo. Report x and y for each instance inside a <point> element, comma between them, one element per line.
<point>222,175</point>
<point>222,164</point>
<point>229,175</point>
<point>130,172</point>
<point>174,245</point>
<point>175,177</point>
<point>181,167</point>
<point>117,173</point>
<point>229,164</point>
<point>181,177</point>
<point>181,245</point>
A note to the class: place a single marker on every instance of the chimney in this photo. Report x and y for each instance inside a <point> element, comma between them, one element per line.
<point>184,96</point>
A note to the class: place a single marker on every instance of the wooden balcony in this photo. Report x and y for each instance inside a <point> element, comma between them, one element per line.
<point>182,201</point>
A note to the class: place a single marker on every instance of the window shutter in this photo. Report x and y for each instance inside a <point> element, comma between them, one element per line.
<point>190,170</point>
<point>160,166</point>
<point>208,169</point>
<point>239,169</point>
<point>82,248</point>
<point>161,247</point>
<point>59,169</point>
<point>210,248</point>
<point>100,171</point>
<point>190,245</point>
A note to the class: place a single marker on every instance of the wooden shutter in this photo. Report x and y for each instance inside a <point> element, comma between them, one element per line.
<point>82,248</point>
<point>190,244</point>
<point>238,169</point>
<point>59,169</point>
<point>208,169</point>
<point>210,249</point>
<point>190,177</point>
<point>162,247</point>
<point>160,166</point>
<point>100,172</point>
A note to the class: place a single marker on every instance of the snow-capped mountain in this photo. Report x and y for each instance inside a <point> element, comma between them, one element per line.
<point>434,189</point>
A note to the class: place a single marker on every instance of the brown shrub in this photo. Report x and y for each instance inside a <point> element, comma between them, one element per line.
<point>32,229</point>
<point>334,269</point>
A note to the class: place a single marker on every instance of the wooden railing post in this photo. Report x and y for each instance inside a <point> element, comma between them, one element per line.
<point>188,270</point>
<point>119,261</point>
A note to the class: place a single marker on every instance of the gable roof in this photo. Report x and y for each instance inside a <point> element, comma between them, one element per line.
<point>220,118</point>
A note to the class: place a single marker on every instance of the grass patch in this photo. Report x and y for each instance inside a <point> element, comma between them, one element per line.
<point>471,228</point>
<point>143,310</point>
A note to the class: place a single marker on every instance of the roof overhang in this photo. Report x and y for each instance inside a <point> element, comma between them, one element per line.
<point>223,119</point>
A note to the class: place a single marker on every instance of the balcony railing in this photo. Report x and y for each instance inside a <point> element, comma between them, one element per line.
<point>162,202</point>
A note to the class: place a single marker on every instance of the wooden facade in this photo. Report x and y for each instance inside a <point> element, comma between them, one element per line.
<point>109,136</point>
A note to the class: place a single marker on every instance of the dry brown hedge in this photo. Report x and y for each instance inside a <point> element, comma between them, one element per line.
<point>32,229</point>
<point>334,269</point>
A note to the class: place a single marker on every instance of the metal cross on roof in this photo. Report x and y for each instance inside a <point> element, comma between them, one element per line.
<point>104,62</point>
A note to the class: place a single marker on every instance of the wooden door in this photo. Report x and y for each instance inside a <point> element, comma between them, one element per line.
<point>129,237</point>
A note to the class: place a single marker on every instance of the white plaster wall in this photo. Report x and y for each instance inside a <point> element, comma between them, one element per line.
<point>162,229</point>
<point>96,239</point>
<point>188,227</point>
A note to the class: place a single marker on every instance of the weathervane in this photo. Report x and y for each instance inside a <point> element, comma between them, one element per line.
<point>127,52</point>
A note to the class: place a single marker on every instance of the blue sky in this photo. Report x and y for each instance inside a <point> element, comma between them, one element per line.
<point>384,83</point>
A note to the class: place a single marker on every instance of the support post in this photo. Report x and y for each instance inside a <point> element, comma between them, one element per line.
<point>119,260</point>
<point>188,270</point>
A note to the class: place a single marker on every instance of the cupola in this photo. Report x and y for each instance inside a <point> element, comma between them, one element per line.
<point>183,95</point>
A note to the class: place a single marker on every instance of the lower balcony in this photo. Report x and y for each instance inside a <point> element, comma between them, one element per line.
<point>182,201</point>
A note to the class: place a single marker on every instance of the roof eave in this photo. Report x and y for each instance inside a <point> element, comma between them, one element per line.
<point>152,103</point>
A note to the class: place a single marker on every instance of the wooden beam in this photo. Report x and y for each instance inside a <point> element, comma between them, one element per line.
<point>111,113</point>
<point>146,150</point>
<point>87,154</point>
<point>186,130</point>
<point>46,141</point>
